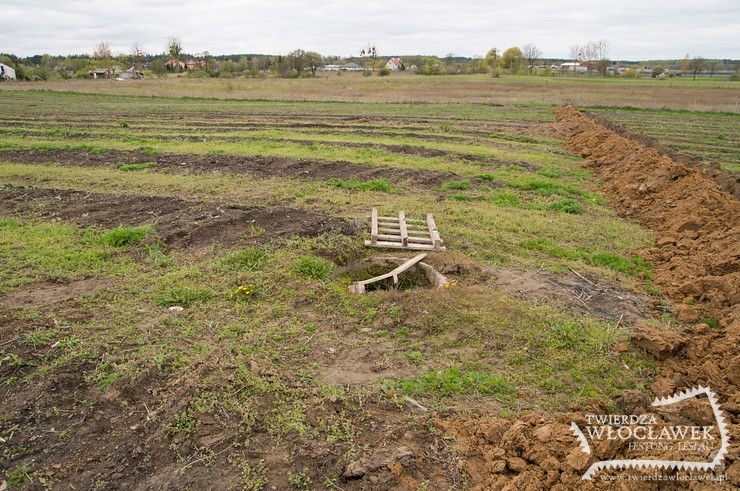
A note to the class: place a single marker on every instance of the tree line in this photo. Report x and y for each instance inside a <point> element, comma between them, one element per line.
<point>527,60</point>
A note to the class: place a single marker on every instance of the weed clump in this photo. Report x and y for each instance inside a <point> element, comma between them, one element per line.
<point>505,198</point>
<point>183,296</point>
<point>313,267</point>
<point>486,176</point>
<point>243,293</point>
<point>248,259</point>
<point>123,236</point>
<point>567,206</point>
<point>461,197</point>
<point>456,185</point>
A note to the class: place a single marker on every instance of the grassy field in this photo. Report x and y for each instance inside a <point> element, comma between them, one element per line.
<point>680,93</point>
<point>708,137</point>
<point>170,266</point>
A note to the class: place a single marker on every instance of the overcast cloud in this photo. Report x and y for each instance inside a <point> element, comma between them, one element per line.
<point>636,30</point>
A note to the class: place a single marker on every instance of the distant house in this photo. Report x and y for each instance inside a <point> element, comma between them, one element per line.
<point>100,73</point>
<point>353,67</point>
<point>6,72</point>
<point>395,64</point>
<point>175,65</point>
<point>573,67</point>
<point>131,74</point>
<point>332,68</point>
<point>195,64</point>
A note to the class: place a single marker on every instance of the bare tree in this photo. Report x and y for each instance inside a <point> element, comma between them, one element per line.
<point>697,64</point>
<point>137,55</point>
<point>598,52</point>
<point>711,66</point>
<point>174,47</point>
<point>371,51</point>
<point>576,54</point>
<point>532,54</point>
<point>103,53</point>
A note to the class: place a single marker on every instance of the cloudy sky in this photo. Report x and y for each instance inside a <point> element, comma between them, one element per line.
<point>636,30</point>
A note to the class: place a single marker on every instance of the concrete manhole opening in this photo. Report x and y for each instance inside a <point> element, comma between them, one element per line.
<point>420,275</point>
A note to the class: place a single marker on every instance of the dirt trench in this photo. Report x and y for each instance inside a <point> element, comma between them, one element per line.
<point>697,266</point>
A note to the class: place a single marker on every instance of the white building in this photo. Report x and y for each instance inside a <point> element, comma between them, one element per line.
<point>574,67</point>
<point>394,64</point>
<point>6,72</point>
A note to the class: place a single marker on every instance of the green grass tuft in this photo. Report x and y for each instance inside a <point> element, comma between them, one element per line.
<point>486,176</point>
<point>567,206</point>
<point>461,197</point>
<point>457,185</point>
<point>380,185</point>
<point>248,259</point>
<point>314,267</point>
<point>505,198</point>
<point>9,223</point>
<point>714,324</point>
<point>631,266</point>
<point>456,381</point>
<point>123,236</point>
<point>183,296</point>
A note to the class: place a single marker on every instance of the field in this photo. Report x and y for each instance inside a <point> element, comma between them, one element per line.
<point>174,302</point>
<point>680,93</point>
<point>713,139</point>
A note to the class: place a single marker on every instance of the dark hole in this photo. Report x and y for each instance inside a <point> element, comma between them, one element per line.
<point>408,280</point>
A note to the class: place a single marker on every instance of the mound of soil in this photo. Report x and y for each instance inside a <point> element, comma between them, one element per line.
<point>179,223</point>
<point>698,226</point>
<point>727,181</point>
<point>697,264</point>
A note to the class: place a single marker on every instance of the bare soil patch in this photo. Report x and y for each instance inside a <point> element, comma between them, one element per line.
<point>592,296</point>
<point>261,167</point>
<point>179,223</point>
<point>48,292</point>
<point>85,437</point>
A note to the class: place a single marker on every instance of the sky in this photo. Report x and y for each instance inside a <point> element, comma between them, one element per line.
<point>635,30</point>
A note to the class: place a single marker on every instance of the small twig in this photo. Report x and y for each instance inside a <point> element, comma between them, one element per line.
<point>584,303</point>
<point>618,322</point>
<point>203,458</point>
<point>236,392</point>
<point>309,338</point>
<point>580,276</point>
<point>10,341</point>
<point>416,403</point>
<point>475,331</point>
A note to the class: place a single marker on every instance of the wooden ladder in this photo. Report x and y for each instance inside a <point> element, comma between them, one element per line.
<point>402,233</point>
